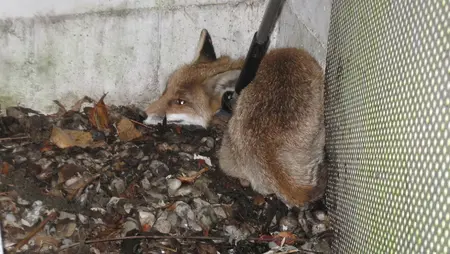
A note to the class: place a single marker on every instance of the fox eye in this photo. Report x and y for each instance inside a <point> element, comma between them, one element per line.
<point>180,101</point>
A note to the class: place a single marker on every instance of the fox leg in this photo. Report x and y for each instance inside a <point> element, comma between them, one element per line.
<point>228,164</point>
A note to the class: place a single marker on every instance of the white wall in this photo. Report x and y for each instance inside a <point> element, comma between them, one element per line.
<point>51,49</point>
<point>305,23</point>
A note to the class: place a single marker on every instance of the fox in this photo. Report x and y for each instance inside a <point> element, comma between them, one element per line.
<point>274,140</point>
<point>193,93</point>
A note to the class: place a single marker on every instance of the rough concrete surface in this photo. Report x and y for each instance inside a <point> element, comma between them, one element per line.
<point>305,23</point>
<point>64,50</point>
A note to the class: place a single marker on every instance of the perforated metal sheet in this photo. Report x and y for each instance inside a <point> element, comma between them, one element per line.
<point>388,126</point>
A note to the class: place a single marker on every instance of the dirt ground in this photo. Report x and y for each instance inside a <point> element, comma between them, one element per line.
<point>96,180</point>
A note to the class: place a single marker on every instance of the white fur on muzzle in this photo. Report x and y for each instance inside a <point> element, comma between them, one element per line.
<point>181,119</point>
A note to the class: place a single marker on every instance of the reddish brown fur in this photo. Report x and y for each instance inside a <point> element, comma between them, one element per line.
<point>189,83</point>
<point>280,115</point>
<point>275,138</point>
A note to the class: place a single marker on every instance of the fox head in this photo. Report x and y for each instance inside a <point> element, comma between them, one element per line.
<point>193,93</point>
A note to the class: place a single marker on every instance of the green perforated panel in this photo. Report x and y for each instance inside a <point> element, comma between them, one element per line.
<point>388,126</point>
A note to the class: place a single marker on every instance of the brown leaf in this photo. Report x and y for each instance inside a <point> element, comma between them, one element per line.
<point>62,110</point>
<point>46,147</point>
<point>178,129</point>
<point>77,186</point>
<point>191,179</point>
<point>55,192</point>
<point>130,191</point>
<point>171,207</point>
<point>98,116</point>
<point>68,138</point>
<point>127,131</point>
<point>119,166</point>
<point>259,200</point>
<point>266,238</point>
<point>45,174</point>
<point>67,171</point>
<point>44,240</point>
<point>65,229</point>
<point>290,238</point>
<point>146,227</point>
<point>79,103</point>
<point>5,168</point>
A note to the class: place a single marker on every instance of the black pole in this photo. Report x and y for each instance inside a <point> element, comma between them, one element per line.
<point>258,49</point>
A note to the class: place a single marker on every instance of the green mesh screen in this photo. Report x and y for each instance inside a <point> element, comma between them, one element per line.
<point>388,126</point>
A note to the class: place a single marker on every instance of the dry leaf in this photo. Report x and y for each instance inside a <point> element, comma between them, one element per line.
<point>46,147</point>
<point>55,193</point>
<point>266,238</point>
<point>259,200</point>
<point>290,238</point>
<point>146,227</point>
<point>78,104</point>
<point>5,168</point>
<point>191,179</point>
<point>65,229</point>
<point>98,116</point>
<point>178,129</point>
<point>119,166</point>
<point>75,108</point>
<point>171,207</point>
<point>282,237</point>
<point>43,240</point>
<point>62,110</point>
<point>68,138</point>
<point>75,188</point>
<point>127,131</point>
<point>68,171</point>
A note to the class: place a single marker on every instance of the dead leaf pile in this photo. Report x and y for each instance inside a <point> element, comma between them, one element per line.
<point>99,181</point>
<point>99,119</point>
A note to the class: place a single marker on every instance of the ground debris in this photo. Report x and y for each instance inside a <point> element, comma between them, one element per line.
<point>96,180</point>
<point>127,131</point>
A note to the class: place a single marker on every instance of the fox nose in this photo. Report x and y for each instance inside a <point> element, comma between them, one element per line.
<point>153,119</point>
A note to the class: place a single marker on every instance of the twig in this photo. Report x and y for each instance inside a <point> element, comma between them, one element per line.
<point>141,124</point>
<point>311,251</point>
<point>24,241</point>
<point>14,138</point>
<point>166,248</point>
<point>61,107</point>
<point>191,179</point>
<point>144,237</point>
<point>217,238</point>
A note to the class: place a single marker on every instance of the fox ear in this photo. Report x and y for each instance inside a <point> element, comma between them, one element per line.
<point>222,82</point>
<point>205,48</point>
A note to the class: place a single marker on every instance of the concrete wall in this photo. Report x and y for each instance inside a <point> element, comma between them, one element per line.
<point>63,50</point>
<point>305,23</point>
